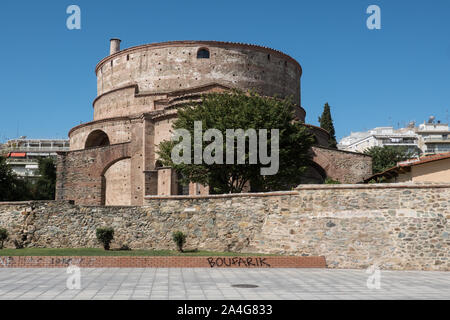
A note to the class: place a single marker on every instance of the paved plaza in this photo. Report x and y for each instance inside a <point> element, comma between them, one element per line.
<point>217,284</point>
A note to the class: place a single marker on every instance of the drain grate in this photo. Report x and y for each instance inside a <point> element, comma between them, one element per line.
<point>244,286</point>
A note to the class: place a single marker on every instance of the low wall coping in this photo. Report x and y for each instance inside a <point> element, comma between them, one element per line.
<point>373,186</point>
<point>267,194</point>
<point>218,196</point>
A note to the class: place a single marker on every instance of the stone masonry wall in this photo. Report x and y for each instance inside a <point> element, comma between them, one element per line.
<point>395,226</point>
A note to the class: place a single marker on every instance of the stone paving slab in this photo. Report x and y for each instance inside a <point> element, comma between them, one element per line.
<point>216,284</point>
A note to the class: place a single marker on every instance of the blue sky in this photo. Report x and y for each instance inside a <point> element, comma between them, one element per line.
<point>369,77</point>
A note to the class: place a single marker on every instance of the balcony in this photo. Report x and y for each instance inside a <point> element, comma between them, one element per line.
<point>402,143</point>
<point>35,149</point>
<point>436,140</point>
<point>21,161</point>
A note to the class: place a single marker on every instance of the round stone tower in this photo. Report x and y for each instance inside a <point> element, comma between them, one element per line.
<point>156,70</point>
<point>113,158</point>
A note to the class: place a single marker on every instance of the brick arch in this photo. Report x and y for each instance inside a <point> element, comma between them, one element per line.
<point>116,183</point>
<point>111,163</point>
<point>84,171</point>
<point>342,166</point>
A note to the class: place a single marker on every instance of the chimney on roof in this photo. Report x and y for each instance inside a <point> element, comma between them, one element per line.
<point>114,46</point>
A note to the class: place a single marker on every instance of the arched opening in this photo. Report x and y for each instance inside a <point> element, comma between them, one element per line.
<point>203,53</point>
<point>314,174</point>
<point>97,138</point>
<point>116,183</point>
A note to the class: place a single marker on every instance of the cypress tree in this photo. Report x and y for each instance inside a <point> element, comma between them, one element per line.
<point>326,122</point>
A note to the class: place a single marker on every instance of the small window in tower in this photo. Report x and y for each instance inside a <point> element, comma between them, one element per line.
<point>203,54</point>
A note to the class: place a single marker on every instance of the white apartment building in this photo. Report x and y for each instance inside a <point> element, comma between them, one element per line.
<point>23,154</point>
<point>434,137</point>
<point>380,136</point>
<point>427,138</point>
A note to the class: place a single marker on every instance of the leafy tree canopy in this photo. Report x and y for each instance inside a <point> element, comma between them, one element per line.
<point>46,183</point>
<point>238,110</point>
<point>13,188</point>
<point>387,157</point>
<point>7,181</point>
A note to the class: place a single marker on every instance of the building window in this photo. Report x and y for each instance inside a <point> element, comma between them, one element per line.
<point>203,54</point>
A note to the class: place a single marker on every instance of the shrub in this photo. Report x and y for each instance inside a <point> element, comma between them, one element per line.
<point>180,239</point>
<point>3,236</point>
<point>331,181</point>
<point>105,236</point>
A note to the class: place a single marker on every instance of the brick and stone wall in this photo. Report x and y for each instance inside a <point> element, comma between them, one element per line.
<point>395,226</point>
<point>139,92</point>
<point>118,130</point>
<point>343,166</point>
<point>81,174</point>
<point>170,66</point>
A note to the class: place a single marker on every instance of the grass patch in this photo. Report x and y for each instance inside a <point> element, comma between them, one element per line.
<point>81,252</point>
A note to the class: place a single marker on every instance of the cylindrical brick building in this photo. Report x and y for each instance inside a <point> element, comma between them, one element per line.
<point>112,159</point>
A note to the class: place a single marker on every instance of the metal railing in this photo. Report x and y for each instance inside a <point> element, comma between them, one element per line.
<point>411,143</point>
<point>35,149</point>
<point>443,140</point>
<point>21,161</point>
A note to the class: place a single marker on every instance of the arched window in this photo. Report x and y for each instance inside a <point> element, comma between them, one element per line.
<point>97,138</point>
<point>203,54</point>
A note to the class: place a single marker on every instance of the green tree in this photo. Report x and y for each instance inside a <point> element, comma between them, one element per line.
<point>387,157</point>
<point>326,122</point>
<point>3,236</point>
<point>238,110</point>
<point>45,186</point>
<point>12,188</point>
<point>7,181</point>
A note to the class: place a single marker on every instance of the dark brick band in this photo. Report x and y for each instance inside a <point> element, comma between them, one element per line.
<point>164,262</point>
